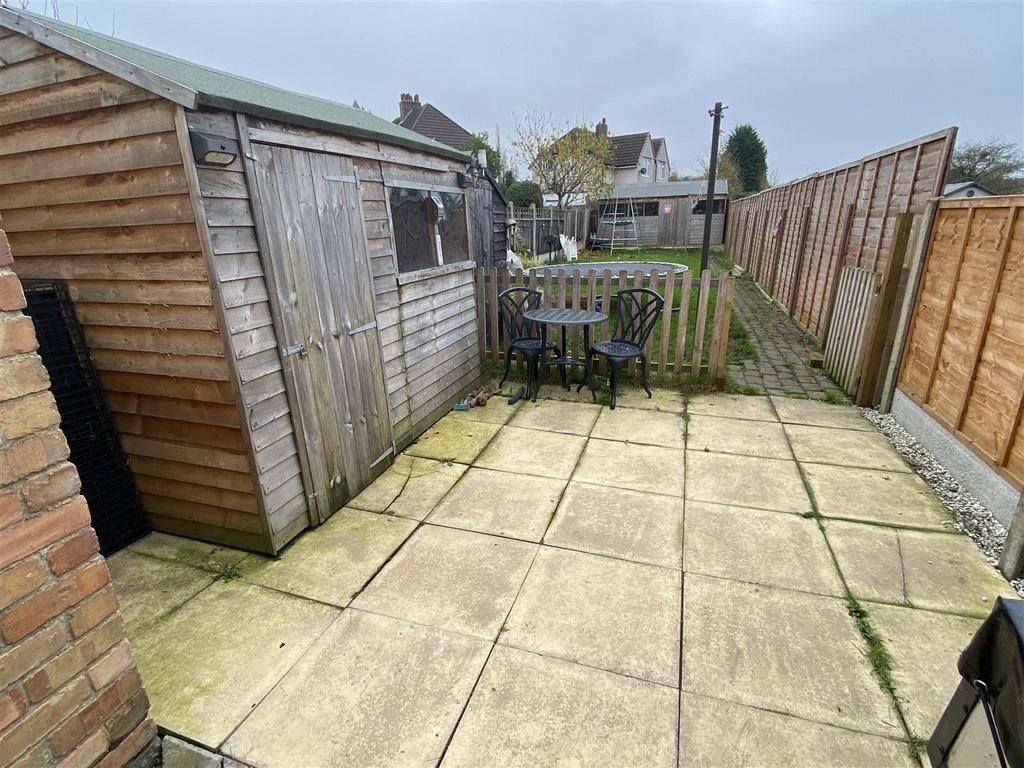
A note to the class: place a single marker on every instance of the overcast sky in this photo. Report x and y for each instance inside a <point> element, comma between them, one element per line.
<point>823,83</point>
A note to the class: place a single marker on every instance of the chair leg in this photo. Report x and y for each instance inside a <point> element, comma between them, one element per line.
<point>615,365</point>
<point>645,366</point>
<point>508,367</point>
<point>537,369</point>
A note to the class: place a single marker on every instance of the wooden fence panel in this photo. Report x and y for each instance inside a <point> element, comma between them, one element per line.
<point>764,230</point>
<point>679,345</point>
<point>964,354</point>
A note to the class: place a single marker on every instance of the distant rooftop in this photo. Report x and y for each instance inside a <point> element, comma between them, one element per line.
<point>671,189</point>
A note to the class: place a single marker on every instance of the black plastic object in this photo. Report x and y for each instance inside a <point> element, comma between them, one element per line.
<point>992,668</point>
<point>107,482</point>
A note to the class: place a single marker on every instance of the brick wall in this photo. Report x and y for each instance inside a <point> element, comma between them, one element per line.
<point>70,694</point>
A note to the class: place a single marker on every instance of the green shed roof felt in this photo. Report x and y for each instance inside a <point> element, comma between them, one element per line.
<point>239,94</point>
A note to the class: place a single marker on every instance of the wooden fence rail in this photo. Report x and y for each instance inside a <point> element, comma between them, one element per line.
<point>691,336</point>
<point>964,354</point>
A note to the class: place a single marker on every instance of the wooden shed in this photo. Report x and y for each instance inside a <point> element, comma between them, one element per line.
<point>276,291</point>
<point>668,213</point>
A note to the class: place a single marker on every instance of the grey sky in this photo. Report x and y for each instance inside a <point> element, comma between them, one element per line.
<point>823,83</point>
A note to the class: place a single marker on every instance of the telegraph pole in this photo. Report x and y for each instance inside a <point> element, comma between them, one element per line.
<point>709,205</point>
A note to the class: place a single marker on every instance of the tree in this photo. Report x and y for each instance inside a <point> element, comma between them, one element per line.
<point>726,170</point>
<point>750,157</point>
<point>522,193</point>
<point>482,141</point>
<point>995,164</point>
<point>568,162</point>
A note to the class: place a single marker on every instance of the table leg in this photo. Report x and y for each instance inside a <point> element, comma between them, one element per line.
<point>565,353</point>
<point>588,368</point>
<point>542,364</point>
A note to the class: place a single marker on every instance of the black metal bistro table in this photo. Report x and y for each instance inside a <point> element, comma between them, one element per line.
<point>565,318</point>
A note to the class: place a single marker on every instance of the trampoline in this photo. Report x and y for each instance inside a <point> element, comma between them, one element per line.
<point>631,267</point>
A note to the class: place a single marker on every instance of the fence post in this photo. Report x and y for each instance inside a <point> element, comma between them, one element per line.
<point>481,314</point>
<point>918,253</point>
<point>533,225</point>
<point>876,331</point>
<point>1012,561</point>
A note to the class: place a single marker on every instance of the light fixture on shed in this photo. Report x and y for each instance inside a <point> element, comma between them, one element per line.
<point>475,170</point>
<point>213,150</point>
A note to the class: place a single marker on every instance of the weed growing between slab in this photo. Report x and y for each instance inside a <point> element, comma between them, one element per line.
<point>230,573</point>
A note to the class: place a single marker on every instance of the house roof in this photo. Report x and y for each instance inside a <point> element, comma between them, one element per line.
<point>656,145</point>
<point>627,149</point>
<point>670,189</point>
<point>178,79</point>
<point>955,187</point>
<point>429,121</point>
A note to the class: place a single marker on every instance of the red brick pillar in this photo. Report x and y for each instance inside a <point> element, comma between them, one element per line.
<point>69,690</point>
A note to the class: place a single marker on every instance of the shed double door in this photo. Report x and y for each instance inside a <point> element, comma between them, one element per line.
<point>328,335</point>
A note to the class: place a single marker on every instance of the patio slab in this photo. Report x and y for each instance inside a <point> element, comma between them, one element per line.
<point>454,439</point>
<point>790,652</point>
<point>741,436</point>
<point>456,580</point>
<point>848,447</point>
<point>642,527</point>
<point>745,481</point>
<point>373,691</point>
<point>630,465</point>
<point>720,734</point>
<point>533,452</point>
<point>177,549</point>
<point>529,710</point>
<point>601,612</point>
<point>645,427</point>
<point>148,589</point>
<point>208,664</point>
<point>497,411</point>
<point>334,561</point>
<point>819,414</point>
<point>890,498</point>
<point>935,571</point>
<point>502,503</point>
<point>557,416</point>
<point>733,407</point>
<point>925,678</point>
<point>410,487</point>
<point>774,548</point>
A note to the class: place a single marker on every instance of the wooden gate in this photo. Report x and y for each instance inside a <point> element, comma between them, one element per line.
<point>321,274</point>
<point>846,331</point>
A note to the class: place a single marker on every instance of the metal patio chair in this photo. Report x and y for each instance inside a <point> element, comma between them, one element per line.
<point>525,336</point>
<point>638,311</point>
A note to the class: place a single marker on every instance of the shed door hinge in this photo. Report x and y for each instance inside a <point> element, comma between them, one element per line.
<point>294,349</point>
<point>363,327</point>
<point>353,179</point>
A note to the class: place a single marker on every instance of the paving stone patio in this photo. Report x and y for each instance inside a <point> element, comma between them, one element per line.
<point>667,584</point>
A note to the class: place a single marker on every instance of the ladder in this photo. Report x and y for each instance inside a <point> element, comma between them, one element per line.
<point>617,227</point>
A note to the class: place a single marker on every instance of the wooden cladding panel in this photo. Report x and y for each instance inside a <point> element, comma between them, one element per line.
<point>93,191</point>
<point>964,358</point>
<point>763,230</point>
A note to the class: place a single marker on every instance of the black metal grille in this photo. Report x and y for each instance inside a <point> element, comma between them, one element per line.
<point>107,482</point>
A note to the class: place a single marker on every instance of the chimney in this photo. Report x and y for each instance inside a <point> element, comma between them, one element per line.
<point>602,129</point>
<point>406,103</point>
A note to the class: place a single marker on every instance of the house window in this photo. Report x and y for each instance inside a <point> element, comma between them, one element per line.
<point>701,206</point>
<point>430,228</point>
<point>645,167</point>
<point>662,170</point>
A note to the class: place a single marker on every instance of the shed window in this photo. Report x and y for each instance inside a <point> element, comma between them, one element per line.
<point>701,206</point>
<point>430,228</point>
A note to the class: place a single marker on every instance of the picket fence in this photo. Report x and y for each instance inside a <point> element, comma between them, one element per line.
<point>679,345</point>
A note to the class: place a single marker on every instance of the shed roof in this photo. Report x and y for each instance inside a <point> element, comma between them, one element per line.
<point>214,88</point>
<point>671,189</point>
<point>429,121</point>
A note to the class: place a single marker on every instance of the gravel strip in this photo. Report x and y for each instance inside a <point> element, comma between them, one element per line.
<point>969,515</point>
